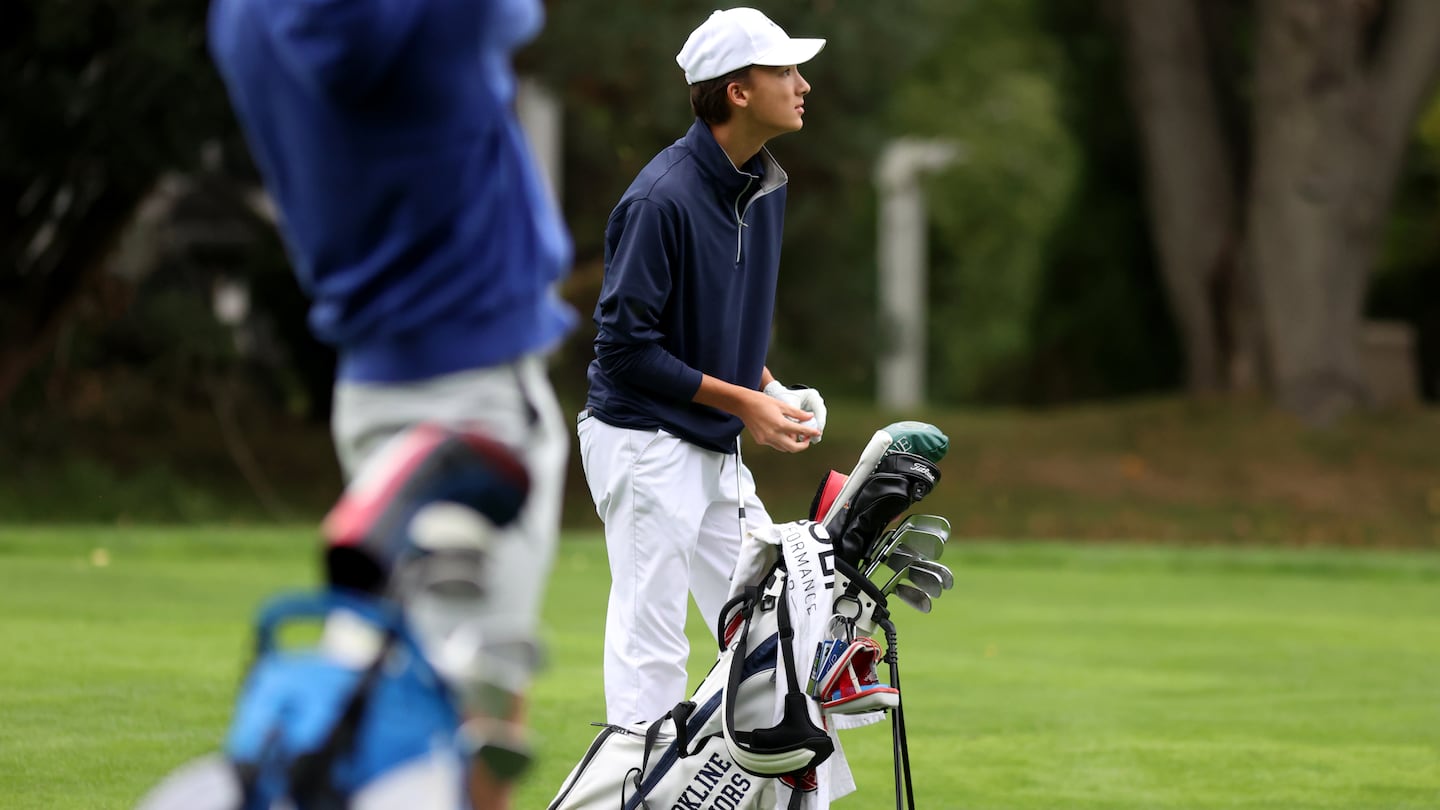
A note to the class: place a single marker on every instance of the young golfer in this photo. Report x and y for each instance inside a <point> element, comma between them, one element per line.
<point>692,253</point>
<point>417,222</point>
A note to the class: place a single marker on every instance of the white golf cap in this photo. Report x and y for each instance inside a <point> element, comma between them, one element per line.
<point>737,37</point>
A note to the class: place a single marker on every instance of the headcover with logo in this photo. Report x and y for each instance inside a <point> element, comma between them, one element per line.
<point>920,438</point>
<point>368,531</point>
<point>899,480</point>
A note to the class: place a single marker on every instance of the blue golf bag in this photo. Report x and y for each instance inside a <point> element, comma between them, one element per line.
<point>314,731</point>
<point>364,719</point>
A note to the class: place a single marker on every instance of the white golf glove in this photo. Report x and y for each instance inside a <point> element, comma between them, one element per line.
<point>804,398</point>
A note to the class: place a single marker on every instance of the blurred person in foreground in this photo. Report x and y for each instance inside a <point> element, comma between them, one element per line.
<point>417,222</point>
<point>692,255</point>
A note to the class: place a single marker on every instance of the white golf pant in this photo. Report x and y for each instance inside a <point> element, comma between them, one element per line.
<point>516,404</point>
<point>671,529</point>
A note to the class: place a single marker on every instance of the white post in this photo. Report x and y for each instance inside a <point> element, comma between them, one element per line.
<point>540,113</point>
<point>903,260</point>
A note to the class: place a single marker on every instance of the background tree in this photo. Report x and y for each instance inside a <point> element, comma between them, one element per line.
<point>1099,326</point>
<point>101,98</point>
<point>1267,259</point>
<point>1406,287</point>
<point>994,91</point>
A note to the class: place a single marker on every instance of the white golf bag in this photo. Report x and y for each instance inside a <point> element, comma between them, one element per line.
<point>748,723</point>
<point>752,734</point>
<point>759,732</point>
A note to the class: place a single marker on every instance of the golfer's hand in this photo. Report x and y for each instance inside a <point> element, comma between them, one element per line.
<point>803,397</point>
<point>775,423</point>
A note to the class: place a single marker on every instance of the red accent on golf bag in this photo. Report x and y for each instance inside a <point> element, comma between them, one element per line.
<point>368,530</point>
<point>829,490</point>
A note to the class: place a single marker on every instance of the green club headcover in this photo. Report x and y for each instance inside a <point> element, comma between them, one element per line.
<point>920,438</point>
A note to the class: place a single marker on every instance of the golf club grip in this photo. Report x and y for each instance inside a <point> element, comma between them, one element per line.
<point>869,457</point>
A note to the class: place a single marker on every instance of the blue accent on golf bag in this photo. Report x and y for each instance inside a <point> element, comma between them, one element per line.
<point>310,728</point>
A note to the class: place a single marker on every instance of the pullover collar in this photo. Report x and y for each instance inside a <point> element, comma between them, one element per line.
<point>733,181</point>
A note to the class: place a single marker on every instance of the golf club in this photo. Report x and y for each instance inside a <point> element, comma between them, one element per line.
<point>870,456</point>
<point>927,581</point>
<point>883,544</point>
<point>887,537</point>
<point>899,559</point>
<point>926,543</point>
<point>926,539</point>
<point>913,596</point>
<point>870,560</point>
<point>946,578</point>
<point>934,524</point>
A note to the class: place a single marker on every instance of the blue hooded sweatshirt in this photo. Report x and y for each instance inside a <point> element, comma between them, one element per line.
<point>692,255</point>
<point>411,209</point>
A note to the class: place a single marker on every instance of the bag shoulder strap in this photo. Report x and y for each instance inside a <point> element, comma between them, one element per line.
<point>787,637</point>
<point>753,597</point>
<point>311,777</point>
<point>794,743</point>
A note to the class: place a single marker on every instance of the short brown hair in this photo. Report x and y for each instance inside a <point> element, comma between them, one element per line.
<point>708,99</point>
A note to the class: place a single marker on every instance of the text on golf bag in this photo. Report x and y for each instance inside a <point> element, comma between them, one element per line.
<point>712,789</point>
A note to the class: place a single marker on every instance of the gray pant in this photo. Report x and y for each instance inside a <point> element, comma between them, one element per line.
<point>515,404</point>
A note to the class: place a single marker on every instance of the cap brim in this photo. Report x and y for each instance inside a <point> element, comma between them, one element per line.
<point>794,52</point>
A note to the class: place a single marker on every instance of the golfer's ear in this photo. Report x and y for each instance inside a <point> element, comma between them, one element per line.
<point>736,92</point>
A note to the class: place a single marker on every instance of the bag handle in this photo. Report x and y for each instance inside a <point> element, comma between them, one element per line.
<point>316,605</point>
<point>739,601</point>
<point>681,715</point>
<point>635,776</point>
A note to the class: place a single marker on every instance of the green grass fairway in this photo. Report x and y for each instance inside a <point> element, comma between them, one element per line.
<point>1051,677</point>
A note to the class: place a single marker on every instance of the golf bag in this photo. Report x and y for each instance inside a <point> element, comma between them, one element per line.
<point>315,731</point>
<point>719,750</point>
<point>372,716</point>
<point>725,747</point>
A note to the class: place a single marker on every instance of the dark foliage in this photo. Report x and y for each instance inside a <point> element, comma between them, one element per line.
<point>1102,326</point>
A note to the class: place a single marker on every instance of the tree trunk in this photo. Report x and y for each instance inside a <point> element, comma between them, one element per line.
<point>1329,138</point>
<point>37,318</point>
<point>1189,182</point>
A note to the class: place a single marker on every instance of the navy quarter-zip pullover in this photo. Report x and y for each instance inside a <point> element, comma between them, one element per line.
<point>692,254</point>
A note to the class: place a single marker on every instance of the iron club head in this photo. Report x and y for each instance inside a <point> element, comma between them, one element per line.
<point>926,581</point>
<point>938,570</point>
<point>913,596</point>
<point>925,543</point>
<point>935,524</point>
